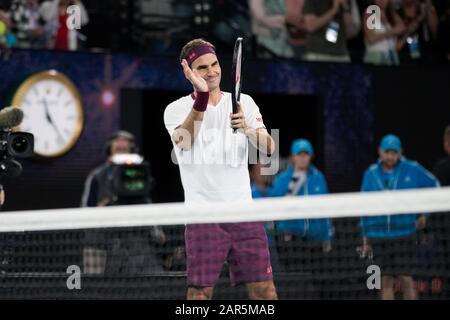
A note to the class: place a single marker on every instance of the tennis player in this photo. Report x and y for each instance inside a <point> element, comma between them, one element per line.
<point>213,165</point>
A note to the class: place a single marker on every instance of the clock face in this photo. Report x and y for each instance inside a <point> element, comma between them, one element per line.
<point>52,112</point>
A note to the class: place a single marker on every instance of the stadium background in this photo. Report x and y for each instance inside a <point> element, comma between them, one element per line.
<point>344,109</point>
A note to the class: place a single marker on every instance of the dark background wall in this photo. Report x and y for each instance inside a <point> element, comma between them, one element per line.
<point>413,103</point>
<point>144,119</point>
<point>343,108</point>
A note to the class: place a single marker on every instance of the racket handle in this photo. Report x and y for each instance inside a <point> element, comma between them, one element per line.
<point>234,109</point>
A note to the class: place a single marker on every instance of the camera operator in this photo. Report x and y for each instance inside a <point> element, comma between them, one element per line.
<point>119,251</point>
<point>12,145</point>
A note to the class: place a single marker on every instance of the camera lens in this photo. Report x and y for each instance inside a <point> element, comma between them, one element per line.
<point>19,144</point>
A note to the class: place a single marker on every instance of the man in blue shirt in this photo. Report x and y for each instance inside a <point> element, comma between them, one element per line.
<point>305,243</point>
<point>392,239</point>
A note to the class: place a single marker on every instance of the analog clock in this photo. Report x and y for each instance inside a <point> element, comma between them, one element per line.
<point>52,112</point>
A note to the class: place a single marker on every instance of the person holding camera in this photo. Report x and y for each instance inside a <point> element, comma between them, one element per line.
<point>120,251</point>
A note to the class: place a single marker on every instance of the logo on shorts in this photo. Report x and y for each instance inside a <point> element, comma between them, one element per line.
<point>259,119</point>
<point>269,269</point>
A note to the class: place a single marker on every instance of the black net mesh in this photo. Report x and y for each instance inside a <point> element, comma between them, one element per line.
<point>150,262</point>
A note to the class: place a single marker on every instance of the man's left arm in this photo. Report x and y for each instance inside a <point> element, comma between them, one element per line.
<point>425,180</point>
<point>261,140</point>
<point>253,127</point>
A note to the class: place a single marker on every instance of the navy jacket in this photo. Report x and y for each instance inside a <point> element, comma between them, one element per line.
<point>407,174</point>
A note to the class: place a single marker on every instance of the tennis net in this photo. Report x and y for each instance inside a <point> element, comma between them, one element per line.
<point>321,247</point>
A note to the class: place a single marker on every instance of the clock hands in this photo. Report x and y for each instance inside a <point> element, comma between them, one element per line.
<point>47,114</point>
<point>50,120</point>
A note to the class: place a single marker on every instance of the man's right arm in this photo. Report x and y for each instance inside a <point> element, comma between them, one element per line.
<point>185,134</point>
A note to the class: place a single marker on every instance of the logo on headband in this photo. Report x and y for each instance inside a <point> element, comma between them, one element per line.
<point>197,52</point>
<point>192,56</point>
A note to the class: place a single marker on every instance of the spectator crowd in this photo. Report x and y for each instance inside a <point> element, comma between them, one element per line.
<point>405,32</point>
<point>40,24</point>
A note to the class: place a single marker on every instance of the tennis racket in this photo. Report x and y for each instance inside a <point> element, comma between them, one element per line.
<point>236,79</point>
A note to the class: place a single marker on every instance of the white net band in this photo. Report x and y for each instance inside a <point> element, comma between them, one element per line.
<point>321,206</point>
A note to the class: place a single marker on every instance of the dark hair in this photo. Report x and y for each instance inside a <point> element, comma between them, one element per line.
<point>121,134</point>
<point>191,45</point>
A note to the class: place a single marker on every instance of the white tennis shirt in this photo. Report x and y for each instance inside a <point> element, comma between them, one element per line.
<point>216,167</point>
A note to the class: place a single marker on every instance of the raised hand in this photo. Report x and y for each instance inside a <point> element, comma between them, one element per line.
<point>197,81</point>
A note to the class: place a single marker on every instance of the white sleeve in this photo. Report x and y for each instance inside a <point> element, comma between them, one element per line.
<point>174,116</point>
<point>253,116</point>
